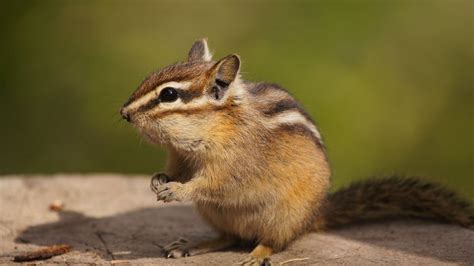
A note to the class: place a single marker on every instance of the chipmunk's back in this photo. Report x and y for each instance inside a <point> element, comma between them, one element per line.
<point>281,109</point>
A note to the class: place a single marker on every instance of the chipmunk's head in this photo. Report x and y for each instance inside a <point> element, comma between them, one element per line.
<point>187,105</point>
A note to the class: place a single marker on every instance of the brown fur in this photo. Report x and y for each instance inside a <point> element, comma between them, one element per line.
<point>254,164</point>
<point>177,72</point>
<point>395,197</point>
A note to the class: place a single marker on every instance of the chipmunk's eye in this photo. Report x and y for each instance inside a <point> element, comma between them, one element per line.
<point>168,94</point>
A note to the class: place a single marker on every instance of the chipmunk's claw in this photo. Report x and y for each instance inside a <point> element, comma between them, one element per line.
<point>166,191</point>
<point>267,262</point>
<point>252,261</point>
<point>177,249</point>
<point>171,191</point>
<point>157,180</point>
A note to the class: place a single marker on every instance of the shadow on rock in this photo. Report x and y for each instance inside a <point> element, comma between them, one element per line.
<point>131,235</point>
<point>141,233</point>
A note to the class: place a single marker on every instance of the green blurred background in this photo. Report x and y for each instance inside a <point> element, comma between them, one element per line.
<point>390,83</point>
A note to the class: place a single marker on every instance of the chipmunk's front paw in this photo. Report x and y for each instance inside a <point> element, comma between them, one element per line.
<point>157,180</point>
<point>171,191</point>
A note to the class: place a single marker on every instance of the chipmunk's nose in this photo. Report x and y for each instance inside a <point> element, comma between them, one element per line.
<point>125,115</point>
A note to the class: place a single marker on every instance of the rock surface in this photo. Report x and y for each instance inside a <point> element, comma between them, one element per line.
<point>115,219</point>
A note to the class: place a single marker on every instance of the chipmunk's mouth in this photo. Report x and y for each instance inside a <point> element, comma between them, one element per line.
<point>151,135</point>
<point>151,138</point>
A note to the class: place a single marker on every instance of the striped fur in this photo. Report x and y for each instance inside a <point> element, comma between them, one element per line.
<point>244,152</point>
<point>264,105</point>
<point>252,159</point>
<point>281,110</point>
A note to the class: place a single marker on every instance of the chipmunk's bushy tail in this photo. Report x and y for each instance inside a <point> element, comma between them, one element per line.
<point>394,197</point>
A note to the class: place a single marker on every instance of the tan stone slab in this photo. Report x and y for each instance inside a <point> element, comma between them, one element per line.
<point>113,218</point>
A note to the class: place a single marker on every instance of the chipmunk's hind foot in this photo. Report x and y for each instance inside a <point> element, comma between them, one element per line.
<point>181,248</point>
<point>260,256</point>
<point>176,249</point>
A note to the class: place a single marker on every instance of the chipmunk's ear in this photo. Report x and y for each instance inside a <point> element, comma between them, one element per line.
<point>199,51</point>
<point>224,73</point>
<point>227,69</point>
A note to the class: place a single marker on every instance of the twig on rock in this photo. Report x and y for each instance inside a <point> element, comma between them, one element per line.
<point>292,260</point>
<point>43,254</point>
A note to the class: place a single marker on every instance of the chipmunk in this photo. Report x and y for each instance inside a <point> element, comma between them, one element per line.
<point>254,163</point>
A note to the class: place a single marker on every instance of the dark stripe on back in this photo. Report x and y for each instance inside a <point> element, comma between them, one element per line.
<point>261,88</point>
<point>272,109</point>
<point>302,130</point>
<point>281,106</point>
<point>285,105</point>
<point>290,103</point>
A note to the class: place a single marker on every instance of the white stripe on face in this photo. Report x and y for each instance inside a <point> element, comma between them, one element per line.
<point>155,93</point>
<point>198,102</point>
<point>180,105</point>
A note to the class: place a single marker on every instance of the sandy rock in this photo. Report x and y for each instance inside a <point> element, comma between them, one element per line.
<point>115,219</point>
